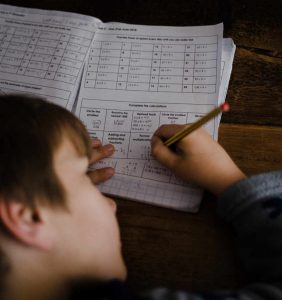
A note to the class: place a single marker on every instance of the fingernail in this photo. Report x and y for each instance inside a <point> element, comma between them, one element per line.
<point>109,148</point>
<point>110,172</point>
<point>96,142</point>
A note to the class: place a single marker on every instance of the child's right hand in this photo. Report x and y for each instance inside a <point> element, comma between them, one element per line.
<point>197,158</point>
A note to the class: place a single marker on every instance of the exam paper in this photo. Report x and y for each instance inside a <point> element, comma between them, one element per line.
<point>228,51</point>
<point>43,52</point>
<point>137,78</point>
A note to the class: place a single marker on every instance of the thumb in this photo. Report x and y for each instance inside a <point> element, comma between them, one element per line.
<point>162,153</point>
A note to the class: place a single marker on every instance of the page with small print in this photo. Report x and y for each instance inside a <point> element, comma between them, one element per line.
<point>131,79</point>
<point>137,78</point>
<point>43,52</point>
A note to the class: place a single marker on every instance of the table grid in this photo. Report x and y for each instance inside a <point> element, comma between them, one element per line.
<point>186,68</point>
<point>130,131</point>
<point>160,194</point>
<point>41,53</point>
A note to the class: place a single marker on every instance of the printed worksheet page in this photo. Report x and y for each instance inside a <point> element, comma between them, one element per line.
<point>228,51</point>
<point>137,78</point>
<point>227,57</point>
<point>43,52</point>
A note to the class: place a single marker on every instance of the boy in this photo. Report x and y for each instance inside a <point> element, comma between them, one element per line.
<point>56,225</point>
<point>59,235</point>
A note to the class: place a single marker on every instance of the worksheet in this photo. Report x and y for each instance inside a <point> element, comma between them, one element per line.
<point>137,78</point>
<point>43,52</point>
<point>123,81</point>
<point>228,52</point>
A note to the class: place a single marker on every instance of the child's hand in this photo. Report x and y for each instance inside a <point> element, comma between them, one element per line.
<point>197,158</point>
<point>99,152</point>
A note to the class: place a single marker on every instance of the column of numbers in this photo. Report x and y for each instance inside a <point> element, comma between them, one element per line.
<point>123,68</point>
<point>205,72</point>
<point>152,67</point>
<point>42,54</point>
<point>140,67</point>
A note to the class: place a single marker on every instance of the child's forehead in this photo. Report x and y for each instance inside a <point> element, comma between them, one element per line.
<point>68,163</point>
<point>65,151</point>
<point>68,151</point>
<point>72,139</point>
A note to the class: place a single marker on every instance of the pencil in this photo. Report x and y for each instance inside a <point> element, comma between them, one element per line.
<point>190,128</point>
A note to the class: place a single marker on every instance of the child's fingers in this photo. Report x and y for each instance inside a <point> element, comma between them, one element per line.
<point>164,132</point>
<point>96,143</point>
<point>101,152</point>
<point>163,154</point>
<point>101,175</point>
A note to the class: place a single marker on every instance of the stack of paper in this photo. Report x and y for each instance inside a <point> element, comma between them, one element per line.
<point>123,81</point>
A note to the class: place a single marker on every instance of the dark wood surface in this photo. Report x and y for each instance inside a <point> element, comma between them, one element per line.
<point>196,252</point>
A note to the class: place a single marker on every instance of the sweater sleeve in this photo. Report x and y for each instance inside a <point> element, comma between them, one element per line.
<point>254,208</point>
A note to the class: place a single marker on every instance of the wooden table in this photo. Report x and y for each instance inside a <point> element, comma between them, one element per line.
<point>196,252</point>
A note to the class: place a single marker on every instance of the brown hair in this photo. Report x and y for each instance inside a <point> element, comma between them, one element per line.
<point>31,130</point>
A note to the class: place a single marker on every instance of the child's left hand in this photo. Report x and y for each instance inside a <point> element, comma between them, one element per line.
<point>100,152</point>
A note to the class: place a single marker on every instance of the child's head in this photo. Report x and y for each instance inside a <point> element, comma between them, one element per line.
<point>31,130</point>
<point>50,212</point>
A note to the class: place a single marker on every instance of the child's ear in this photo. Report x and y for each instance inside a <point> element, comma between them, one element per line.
<point>26,225</point>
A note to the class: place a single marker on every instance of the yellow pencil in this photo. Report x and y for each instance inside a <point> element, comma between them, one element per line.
<point>190,128</point>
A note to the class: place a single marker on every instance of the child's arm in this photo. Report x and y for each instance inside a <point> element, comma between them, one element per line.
<point>197,159</point>
<point>253,206</point>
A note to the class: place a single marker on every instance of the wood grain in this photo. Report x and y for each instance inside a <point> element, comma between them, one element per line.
<point>178,250</point>
<point>255,89</point>
<point>255,149</point>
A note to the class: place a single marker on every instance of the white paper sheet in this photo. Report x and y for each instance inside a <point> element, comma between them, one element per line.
<point>43,52</point>
<point>228,52</point>
<point>137,78</point>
